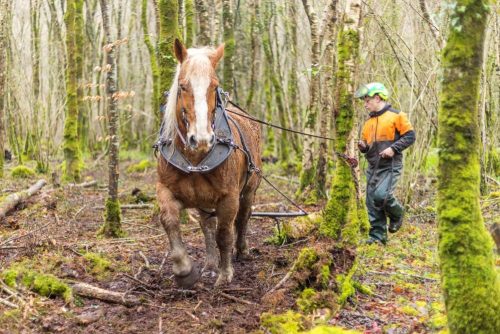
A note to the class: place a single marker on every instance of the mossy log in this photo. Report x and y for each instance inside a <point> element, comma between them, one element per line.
<point>90,291</point>
<point>13,200</point>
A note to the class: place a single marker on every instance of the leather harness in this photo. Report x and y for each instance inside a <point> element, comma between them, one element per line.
<point>220,151</point>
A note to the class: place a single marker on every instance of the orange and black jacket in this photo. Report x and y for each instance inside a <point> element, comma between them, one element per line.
<point>387,128</point>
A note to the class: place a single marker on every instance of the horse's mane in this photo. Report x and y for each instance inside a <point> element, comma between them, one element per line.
<point>200,59</point>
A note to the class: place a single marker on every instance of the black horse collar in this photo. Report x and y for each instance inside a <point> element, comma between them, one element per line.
<point>220,151</point>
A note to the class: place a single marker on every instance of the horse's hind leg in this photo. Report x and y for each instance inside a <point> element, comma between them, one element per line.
<point>186,274</point>
<point>241,225</point>
<point>208,225</point>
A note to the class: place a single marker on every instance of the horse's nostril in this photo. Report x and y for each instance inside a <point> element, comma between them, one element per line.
<point>192,141</point>
<point>212,139</point>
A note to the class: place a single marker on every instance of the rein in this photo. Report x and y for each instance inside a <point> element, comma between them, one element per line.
<point>352,162</point>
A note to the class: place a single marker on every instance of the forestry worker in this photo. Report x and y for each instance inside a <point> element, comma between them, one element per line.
<point>384,137</point>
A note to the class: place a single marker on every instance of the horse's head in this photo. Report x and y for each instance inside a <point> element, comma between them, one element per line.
<point>196,94</point>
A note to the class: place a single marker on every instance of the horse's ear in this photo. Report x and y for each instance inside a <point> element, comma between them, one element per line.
<point>180,51</point>
<point>219,53</point>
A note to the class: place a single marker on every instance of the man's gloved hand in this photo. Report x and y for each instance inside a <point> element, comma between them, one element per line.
<point>387,153</point>
<point>362,146</point>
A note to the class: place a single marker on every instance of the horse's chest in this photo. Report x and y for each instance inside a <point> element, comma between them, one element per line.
<point>196,191</point>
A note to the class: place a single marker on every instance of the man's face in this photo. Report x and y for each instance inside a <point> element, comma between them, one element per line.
<point>372,104</point>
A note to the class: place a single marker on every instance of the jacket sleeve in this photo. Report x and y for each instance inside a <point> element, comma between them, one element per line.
<point>364,138</point>
<point>407,133</point>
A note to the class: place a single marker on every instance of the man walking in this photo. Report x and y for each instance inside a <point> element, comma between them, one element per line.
<point>384,137</point>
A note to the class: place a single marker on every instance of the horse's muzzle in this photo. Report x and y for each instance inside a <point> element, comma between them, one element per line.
<point>202,144</point>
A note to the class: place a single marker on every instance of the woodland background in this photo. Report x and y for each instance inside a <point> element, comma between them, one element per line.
<point>286,62</point>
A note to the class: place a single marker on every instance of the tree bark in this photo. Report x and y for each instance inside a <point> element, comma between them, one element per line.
<point>342,215</point>
<point>71,146</point>
<point>203,36</point>
<point>112,224</point>
<point>469,280</point>
<point>4,9</point>
<point>155,71</point>
<point>229,48</point>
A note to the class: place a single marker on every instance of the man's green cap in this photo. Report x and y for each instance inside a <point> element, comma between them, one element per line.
<point>371,89</point>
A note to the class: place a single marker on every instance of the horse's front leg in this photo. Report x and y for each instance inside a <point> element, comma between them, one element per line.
<point>226,213</point>
<point>208,225</point>
<point>186,274</point>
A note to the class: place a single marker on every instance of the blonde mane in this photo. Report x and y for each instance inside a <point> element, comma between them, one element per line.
<point>200,66</point>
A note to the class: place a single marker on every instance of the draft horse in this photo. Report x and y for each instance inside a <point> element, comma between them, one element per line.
<point>223,195</point>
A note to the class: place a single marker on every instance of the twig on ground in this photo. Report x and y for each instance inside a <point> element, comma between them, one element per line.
<point>191,315</point>
<point>146,261</point>
<point>137,280</point>
<point>239,300</point>
<point>7,303</point>
<point>197,305</point>
<point>283,280</point>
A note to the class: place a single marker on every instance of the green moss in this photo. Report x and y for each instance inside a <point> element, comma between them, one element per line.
<point>294,229</point>
<point>325,275</point>
<point>22,172</point>
<point>46,285</point>
<point>323,329</point>
<point>438,321</point>
<point>306,259</point>
<point>364,289</point>
<point>310,300</point>
<point>409,310</point>
<point>99,265</point>
<point>140,167</point>
<point>346,284</point>
<point>112,220</point>
<point>287,323</point>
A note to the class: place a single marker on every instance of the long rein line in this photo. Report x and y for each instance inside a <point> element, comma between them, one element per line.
<point>353,162</point>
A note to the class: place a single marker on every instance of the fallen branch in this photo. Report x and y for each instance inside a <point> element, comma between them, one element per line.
<point>84,184</point>
<point>403,274</point>
<point>129,206</point>
<point>90,291</point>
<point>13,200</point>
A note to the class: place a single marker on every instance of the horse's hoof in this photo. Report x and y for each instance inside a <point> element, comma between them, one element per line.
<point>243,256</point>
<point>224,279</point>
<point>187,281</point>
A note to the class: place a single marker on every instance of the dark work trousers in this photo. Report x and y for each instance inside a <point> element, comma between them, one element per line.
<point>380,200</point>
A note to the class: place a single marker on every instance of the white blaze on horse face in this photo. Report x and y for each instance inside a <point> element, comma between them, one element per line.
<point>199,74</point>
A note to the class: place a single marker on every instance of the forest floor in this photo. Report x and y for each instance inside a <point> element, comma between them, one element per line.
<point>54,232</point>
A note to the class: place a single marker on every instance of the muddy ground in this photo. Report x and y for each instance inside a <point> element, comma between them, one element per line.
<point>53,231</point>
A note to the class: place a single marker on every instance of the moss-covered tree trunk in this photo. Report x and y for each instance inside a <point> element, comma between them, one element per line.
<point>169,30</point>
<point>112,223</point>
<point>203,33</point>
<point>83,117</point>
<point>342,212</point>
<point>228,71</point>
<point>72,154</point>
<point>308,172</point>
<point>4,9</point>
<point>189,22</point>
<point>470,282</point>
<point>155,71</point>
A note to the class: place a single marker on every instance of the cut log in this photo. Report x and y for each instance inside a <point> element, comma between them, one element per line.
<point>130,206</point>
<point>84,184</point>
<point>10,202</point>
<point>90,291</point>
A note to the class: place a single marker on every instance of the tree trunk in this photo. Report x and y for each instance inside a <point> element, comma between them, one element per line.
<point>112,224</point>
<point>169,12</point>
<point>155,71</point>
<point>203,35</point>
<point>342,215</point>
<point>189,19</point>
<point>4,9</point>
<point>72,153</point>
<point>228,70</point>
<point>469,280</point>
